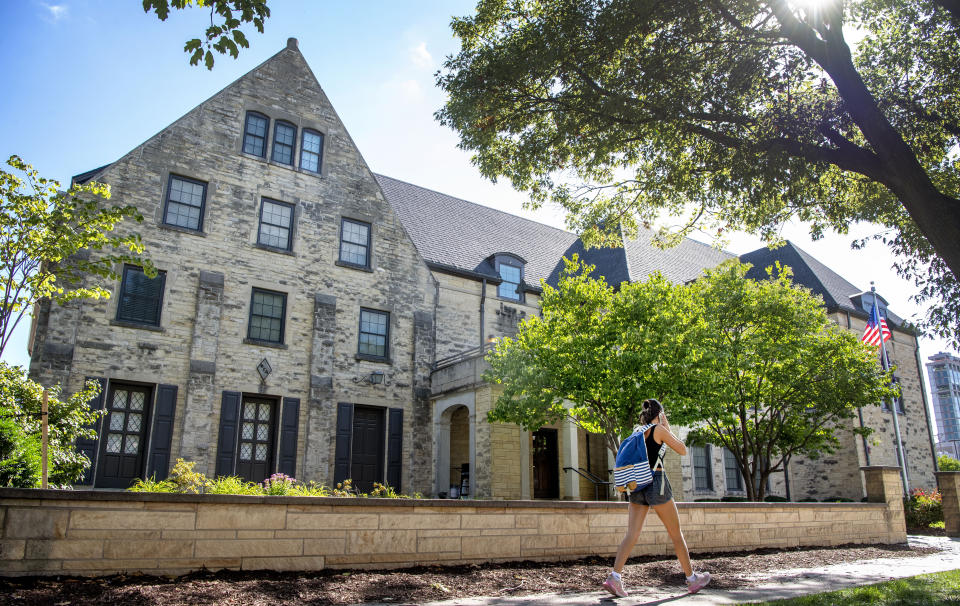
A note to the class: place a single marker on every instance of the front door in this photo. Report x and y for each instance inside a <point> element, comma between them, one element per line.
<point>546,476</point>
<point>124,436</point>
<point>366,460</point>
<point>257,430</point>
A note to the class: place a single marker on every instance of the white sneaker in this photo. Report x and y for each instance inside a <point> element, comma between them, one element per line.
<point>700,580</point>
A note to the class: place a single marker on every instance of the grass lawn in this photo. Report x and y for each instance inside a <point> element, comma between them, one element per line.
<point>924,590</point>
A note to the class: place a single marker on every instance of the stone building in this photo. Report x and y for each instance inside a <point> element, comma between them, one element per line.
<point>315,319</point>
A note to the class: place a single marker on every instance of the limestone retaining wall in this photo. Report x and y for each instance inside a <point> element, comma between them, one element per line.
<point>98,533</point>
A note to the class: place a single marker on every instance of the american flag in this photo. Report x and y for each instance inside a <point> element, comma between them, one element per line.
<point>876,327</point>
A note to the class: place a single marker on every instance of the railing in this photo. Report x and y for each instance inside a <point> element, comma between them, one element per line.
<point>597,481</point>
<point>473,352</point>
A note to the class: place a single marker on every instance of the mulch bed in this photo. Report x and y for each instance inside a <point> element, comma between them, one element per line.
<point>422,584</point>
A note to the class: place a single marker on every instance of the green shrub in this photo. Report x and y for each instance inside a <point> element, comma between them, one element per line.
<point>21,402</point>
<point>311,489</point>
<point>838,500</point>
<point>232,485</point>
<point>185,480</point>
<point>923,508</point>
<point>772,498</point>
<point>20,464</point>
<point>947,463</point>
<point>152,485</point>
<point>732,499</point>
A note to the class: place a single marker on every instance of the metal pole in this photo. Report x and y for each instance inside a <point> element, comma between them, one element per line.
<point>893,406</point>
<point>43,441</point>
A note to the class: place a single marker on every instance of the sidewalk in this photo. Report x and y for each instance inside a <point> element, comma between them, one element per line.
<point>783,584</point>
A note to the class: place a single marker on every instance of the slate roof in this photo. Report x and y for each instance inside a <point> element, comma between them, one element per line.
<point>837,293</point>
<point>461,235</point>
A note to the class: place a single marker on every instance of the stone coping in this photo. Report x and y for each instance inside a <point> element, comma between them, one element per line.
<point>163,497</point>
<point>881,468</point>
<point>948,473</point>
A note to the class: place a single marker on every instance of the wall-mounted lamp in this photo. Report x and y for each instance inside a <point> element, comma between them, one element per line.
<point>374,378</point>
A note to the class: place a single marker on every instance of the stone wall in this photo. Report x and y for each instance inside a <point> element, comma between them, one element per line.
<point>100,533</point>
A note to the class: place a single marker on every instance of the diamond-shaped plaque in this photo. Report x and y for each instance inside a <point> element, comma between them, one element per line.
<point>264,369</point>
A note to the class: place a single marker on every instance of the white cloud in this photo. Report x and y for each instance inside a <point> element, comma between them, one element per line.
<point>421,57</point>
<point>408,90</point>
<point>55,12</point>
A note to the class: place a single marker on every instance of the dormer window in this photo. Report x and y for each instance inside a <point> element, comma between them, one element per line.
<point>510,270</point>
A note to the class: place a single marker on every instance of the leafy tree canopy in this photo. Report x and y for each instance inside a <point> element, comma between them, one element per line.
<point>737,114</point>
<point>757,367</point>
<point>46,239</point>
<point>226,18</point>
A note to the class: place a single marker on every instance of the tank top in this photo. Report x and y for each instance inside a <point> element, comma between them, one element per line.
<point>653,447</point>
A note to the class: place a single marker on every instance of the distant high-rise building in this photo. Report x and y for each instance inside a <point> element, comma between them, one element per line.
<point>944,371</point>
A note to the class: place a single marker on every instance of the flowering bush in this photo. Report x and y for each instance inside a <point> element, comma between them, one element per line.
<point>279,484</point>
<point>923,508</point>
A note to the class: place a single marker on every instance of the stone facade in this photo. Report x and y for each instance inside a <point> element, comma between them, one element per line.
<point>201,345</point>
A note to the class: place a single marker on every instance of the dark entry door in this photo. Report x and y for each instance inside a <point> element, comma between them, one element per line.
<point>257,431</point>
<point>546,480</point>
<point>124,436</point>
<point>366,461</point>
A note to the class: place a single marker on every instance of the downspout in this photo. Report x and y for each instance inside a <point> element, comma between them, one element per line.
<point>926,411</point>
<point>483,297</point>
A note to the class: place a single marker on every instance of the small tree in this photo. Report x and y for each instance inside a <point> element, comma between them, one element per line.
<point>947,463</point>
<point>46,236</point>
<point>68,420</point>
<point>778,378</point>
<point>595,354</point>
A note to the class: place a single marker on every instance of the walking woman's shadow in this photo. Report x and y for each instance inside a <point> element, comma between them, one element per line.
<point>610,601</point>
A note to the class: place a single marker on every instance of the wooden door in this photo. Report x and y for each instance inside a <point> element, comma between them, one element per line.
<point>257,431</point>
<point>124,438</point>
<point>366,460</point>
<point>546,475</point>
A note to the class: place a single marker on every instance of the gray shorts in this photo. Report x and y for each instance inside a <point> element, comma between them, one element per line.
<point>651,494</point>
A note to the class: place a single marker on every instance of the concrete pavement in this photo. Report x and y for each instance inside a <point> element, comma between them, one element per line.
<point>775,586</point>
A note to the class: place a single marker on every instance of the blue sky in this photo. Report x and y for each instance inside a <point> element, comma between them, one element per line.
<point>88,80</point>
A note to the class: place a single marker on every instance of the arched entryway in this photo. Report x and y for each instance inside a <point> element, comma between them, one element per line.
<point>455,443</point>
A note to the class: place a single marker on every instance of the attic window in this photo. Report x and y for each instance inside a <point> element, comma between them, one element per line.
<point>510,270</point>
<point>255,134</point>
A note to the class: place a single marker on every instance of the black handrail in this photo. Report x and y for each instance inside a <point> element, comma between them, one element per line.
<point>597,482</point>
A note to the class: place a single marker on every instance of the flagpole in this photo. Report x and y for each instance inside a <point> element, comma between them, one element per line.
<point>893,404</point>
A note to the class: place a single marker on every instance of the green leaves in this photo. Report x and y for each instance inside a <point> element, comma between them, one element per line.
<point>225,37</point>
<point>730,112</point>
<point>47,243</point>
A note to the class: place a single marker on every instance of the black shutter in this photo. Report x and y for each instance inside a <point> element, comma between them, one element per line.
<point>289,424</point>
<point>88,446</point>
<point>227,438</point>
<point>158,463</point>
<point>395,448</point>
<point>341,464</point>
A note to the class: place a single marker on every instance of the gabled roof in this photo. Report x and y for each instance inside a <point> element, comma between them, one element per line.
<point>453,233</point>
<point>837,293</point>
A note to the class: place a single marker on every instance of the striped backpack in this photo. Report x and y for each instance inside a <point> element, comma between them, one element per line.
<point>632,470</point>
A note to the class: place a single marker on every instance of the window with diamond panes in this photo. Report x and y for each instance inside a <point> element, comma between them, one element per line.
<point>184,204</point>
<point>141,298</point>
<point>255,134</point>
<point>702,472</point>
<point>255,450</point>
<point>374,333</point>
<point>267,311</point>
<point>284,140</point>
<point>311,151</point>
<point>355,243</point>
<point>124,436</point>
<point>276,224</point>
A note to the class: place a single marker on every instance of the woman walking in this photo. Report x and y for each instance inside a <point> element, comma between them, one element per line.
<point>659,496</point>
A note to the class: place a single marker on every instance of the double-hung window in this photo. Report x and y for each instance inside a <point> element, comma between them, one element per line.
<point>702,472</point>
<point>374,334</point>
<point>355,243</point>
<point>732,471</point>
<point>284,140</point>
<point>184,204</point>
<point>255,134</point>
<point>276,224</point>
<point>311,151</point>
<point>141,298</point>
<point>267,315</point>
